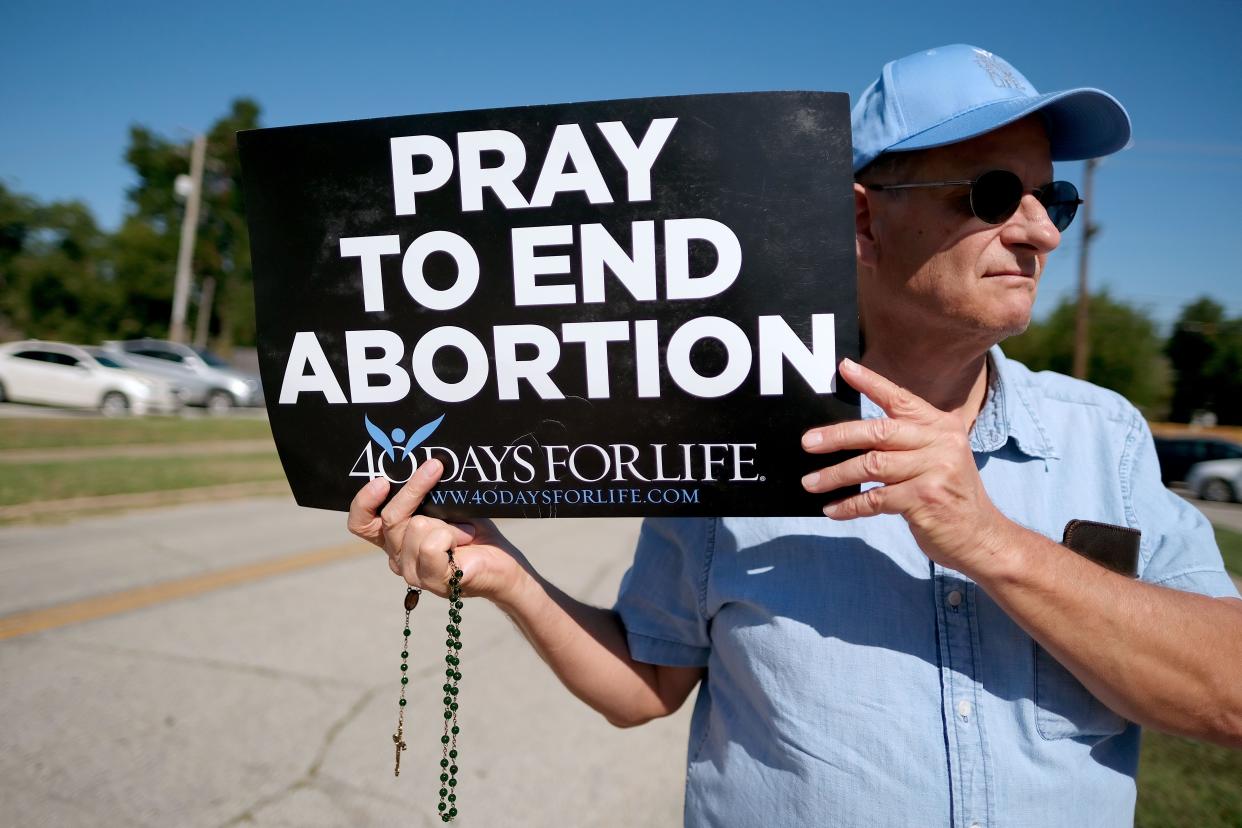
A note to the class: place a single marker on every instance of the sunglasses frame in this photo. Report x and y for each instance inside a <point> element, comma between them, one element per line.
<point>1038,192</point>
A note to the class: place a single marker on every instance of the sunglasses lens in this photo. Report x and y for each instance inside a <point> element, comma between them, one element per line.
<point>1061,200</point>
<point>996,195</point>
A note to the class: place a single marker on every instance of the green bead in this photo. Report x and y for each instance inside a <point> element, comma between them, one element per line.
<point>456,645</point>
<point>453,754</point>
<point>444,740</point>
<point>444,777</point>
<point>405,653</point>
<point>405,680</point>
<point>453,582</point>
<point>448,673</point>
<point>457,604</point>
<point>448,659</point>
<point>452,797</point>
<point>407,631</point>
<point>442,805</point>
<point>404,667</point>
<point>452,705</point>
<point>443,764</point>
<point>448,699</point>
<point>452,783</point>
<point>447,715</point>
<point>402,702</point>
<point>453,769</point>
<point>448,688</point>
<point>456,676</point>
<point>452,812</point>
<point>444,792</point>
<point>455,730</point>
<point>453,690</point>
<point>458,574</point>
<point>445,817</point>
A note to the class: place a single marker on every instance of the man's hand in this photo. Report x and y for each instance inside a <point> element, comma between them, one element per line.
<point>923,457</point>
<point>418,545</point>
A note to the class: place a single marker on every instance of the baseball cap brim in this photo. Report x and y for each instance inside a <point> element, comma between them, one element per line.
<point>1081,123</point>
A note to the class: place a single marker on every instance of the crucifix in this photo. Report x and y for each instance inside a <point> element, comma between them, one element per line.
<point>400,746</point>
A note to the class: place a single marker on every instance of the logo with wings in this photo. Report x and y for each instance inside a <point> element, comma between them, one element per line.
<point>396,438</point>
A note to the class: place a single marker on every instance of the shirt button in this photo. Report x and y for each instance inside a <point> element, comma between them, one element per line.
<point>954,598</point>
<point>975,825</point>
<point>963,709</point>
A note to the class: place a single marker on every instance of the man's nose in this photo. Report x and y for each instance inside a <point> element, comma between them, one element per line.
<point>1030,226</point>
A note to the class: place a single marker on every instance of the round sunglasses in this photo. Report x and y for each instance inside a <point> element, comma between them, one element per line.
<point>995,196</point>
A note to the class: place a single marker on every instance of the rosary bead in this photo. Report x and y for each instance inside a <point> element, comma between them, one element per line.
<point>453,582</point>
<point>452,812</point>
<point>402,702</point>
<point>456,676</point>
<point>447,715</point>
<point>453,754</point>
<point>453,690</point>
<point>452,783</point>
<point>442,806</point>
<point>405,653</point>
<point>457,604</point>
<point>448,673</point>
<point>452,797</point>
<point>443,764</point>
<point>444,740</point>
<point>448,699</point>
<point>458,573</point>
<point>445,817</point>
<point>444,792</point>
<point>453,769</point>
<point>405,680</point>
<point>444,777</point>
<point>456,645</point>
<point>448,688</point>
<point>455,730</point>
<point>404,667</point>
<point>407,632</point>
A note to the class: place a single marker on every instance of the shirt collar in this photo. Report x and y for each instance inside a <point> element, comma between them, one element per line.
<point>1009,411</point>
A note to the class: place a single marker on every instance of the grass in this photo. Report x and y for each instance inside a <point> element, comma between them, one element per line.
<point>1185,783</point>
<point>1230,543</point>
<point>33,433</point>
<point>31,482</point>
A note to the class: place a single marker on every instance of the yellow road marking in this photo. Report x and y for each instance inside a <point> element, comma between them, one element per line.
<point>102,606</point>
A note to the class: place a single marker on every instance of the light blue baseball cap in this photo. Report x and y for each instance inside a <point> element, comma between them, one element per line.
<point>952,93</point>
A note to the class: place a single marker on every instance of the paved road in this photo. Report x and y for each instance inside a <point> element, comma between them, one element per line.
<point>271,701</point>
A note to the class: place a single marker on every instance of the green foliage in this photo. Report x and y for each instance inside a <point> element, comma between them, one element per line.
<point>1205,350</point>
<point>55,279</point>
<point>1125,350</point>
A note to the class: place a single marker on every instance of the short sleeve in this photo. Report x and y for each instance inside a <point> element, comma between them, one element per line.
<point>1178,546</point>
<point>661,598</point>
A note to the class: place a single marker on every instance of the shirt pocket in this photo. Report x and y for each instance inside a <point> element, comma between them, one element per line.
<point>1064,708</point>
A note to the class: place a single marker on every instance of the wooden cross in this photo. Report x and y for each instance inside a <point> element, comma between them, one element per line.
<point>400,746</point>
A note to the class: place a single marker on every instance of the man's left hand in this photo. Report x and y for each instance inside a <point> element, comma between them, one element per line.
<point>922,456</point>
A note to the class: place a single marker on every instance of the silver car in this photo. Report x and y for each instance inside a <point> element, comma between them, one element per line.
<point>60,374</point>
<point>205,379</point>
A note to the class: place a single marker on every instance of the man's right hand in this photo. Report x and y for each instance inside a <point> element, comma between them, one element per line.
<point>417,545</point>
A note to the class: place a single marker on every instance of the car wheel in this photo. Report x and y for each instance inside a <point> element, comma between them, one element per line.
<point>1217,491</point>
<point>219,402</point>
<point>114,404</point>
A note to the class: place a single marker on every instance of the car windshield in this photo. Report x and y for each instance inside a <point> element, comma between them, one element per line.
<point>211,359</point>
<point>107,362</point>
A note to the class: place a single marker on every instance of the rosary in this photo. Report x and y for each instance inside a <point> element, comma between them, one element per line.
<point>452,675</point>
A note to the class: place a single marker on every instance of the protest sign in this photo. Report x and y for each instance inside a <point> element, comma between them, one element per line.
<point>598,309</point>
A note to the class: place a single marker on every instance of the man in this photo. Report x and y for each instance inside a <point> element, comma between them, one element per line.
<point>930,654</point>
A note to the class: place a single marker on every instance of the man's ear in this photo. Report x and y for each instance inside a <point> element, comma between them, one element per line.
<point>865,246</point>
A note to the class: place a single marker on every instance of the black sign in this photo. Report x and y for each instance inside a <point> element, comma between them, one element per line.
<point>616,308</point>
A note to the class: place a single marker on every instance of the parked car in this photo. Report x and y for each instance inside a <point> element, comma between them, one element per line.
<point>167,397</point>
<point>1218,480</point>
<point>1178,454</point>
<point>56,373</point>
<point>213,384</point>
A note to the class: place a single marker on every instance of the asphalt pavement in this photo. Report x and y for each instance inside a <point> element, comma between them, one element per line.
<point>237,663</point>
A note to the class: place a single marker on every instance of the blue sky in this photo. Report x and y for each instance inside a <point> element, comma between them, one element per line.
<point>77,75</point>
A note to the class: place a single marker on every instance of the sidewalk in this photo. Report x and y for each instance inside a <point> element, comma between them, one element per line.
<point>272,701</point>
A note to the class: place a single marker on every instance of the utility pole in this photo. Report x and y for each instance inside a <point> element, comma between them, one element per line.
<point>1081,341</point>
<point>206,295</point>
<point>189,230</point>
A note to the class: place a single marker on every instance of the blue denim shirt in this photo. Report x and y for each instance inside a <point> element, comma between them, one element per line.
<point>851,681</point>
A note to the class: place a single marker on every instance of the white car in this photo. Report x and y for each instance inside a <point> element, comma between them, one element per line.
<point>166,397</point>
<point>55,373</point>
<point>1218,480</point>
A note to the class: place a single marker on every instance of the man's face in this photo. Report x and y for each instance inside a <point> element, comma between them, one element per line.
<point>930,264</point>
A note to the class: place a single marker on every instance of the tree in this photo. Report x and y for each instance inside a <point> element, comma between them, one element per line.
<point>1125,350</point>
<point>145,248</point>
<point>1202,349</point>
<point>55,278</point>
